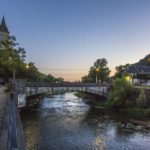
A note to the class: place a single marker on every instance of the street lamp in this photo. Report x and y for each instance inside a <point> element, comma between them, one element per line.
<point>97,70</point>
<point>128,78</point>
<point>27,66</point>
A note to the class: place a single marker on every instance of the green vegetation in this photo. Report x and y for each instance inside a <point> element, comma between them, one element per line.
<point>121,95</point>
<point>12,64</point>
<point>99,71</point>
<point>120,71</point>
<point>11,59</point>
<point>126,99</point>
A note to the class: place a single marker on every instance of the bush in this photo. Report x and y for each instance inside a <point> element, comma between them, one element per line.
<point>121,95</point>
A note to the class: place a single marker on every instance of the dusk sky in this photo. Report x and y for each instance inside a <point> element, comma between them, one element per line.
<point>71,34</point>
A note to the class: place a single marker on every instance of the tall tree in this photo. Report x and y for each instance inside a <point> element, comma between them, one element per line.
<point>99,72</point>
<point>12,57</point>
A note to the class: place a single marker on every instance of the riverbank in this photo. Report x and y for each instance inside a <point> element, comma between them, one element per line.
<point>136,118</point>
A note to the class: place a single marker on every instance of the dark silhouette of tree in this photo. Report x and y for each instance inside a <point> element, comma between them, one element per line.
<point>99,71</point>
<point>121,71</point>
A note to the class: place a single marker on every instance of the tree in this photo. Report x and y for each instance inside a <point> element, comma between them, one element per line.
<point>87,79</point>
<point>12,57</point>
<point>59,80</point>
<point>32,73</point>
<point>100,63</point>
<point>49,78</point>
<point>120,71</point>
<point>98,71</point>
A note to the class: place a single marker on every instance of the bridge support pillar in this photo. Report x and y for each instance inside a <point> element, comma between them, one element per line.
<point>18,91</point>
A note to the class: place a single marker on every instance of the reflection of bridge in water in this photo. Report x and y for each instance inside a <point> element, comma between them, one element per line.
<point>20,89</point>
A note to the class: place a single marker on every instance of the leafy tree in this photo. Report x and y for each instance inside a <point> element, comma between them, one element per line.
<point>87,79</point>
<point>100,63</point>
<point>31,73</point>
<point>98,71</point>
<point>11,57</point>
<point>59,80</point>
<point>121,71</point>
<point>49,78</point>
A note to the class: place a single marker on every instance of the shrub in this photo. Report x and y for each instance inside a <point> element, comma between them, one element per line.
<point>121,94</point>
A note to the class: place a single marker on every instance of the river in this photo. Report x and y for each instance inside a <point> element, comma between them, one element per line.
<point>66,122</point>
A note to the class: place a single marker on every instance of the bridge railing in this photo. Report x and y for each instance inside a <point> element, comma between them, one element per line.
<point>44,84</point>
<point>101,90</point>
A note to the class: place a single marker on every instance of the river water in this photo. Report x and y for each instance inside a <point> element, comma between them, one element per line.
<point>66,122</point>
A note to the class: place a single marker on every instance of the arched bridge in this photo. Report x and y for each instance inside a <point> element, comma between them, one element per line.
<point>22,89</point>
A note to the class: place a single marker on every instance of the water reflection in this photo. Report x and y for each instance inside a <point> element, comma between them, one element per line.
<point>66,122</point>
<point>31,128</point>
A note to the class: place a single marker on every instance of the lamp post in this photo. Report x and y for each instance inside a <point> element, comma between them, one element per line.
<point>97,70</point>
<point>27,67</point>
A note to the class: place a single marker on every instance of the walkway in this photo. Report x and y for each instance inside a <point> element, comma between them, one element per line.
<point>3,120</point>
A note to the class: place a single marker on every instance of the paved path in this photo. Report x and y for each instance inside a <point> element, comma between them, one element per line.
<point>3,120</point>
<point>3,101</point>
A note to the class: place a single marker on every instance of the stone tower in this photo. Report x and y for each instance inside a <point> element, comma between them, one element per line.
<point>4,33</point>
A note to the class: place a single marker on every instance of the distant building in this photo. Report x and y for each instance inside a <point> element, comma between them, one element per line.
<point>4,33</point>
<point>139,74</point>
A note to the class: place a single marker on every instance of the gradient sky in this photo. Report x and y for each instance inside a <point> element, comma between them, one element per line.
<point>72,34</point>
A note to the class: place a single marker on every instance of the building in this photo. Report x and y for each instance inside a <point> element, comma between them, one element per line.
<point>139,74</point>
<point>4,33</point>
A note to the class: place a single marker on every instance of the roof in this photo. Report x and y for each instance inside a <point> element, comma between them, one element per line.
<point>139,69</point>
<point>3,27</point>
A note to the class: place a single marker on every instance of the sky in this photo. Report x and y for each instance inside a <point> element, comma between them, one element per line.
<point>65,37</point>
